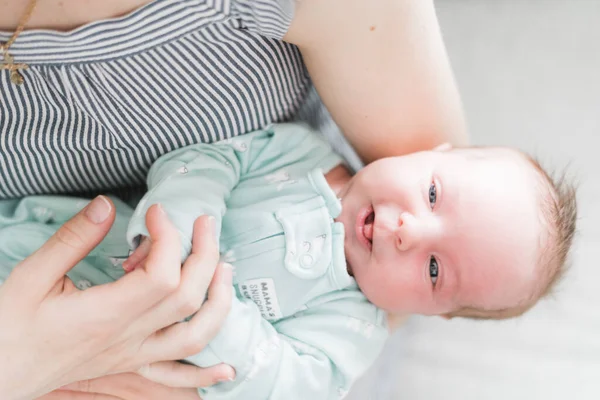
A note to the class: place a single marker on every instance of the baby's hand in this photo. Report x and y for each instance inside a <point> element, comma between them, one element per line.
<point>137,258</point>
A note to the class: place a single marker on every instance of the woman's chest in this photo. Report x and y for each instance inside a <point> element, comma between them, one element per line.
<point>65,15</point>
<point>100,125</point>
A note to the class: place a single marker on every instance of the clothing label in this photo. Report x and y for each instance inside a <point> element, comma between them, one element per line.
<point>262,293</point>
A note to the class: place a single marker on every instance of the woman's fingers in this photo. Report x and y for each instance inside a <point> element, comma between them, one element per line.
<point>196,274</point>
<point>201,264</point>
<point>118,334</point>
<point>205,236</point>
<point>153,297</point>
<point>165,250</point>
<point>69,395</point>
<point>131,386</point>
<point>143,288</point>
<point>184,339</point>
<point>69,245</point>
<point>176,374</point>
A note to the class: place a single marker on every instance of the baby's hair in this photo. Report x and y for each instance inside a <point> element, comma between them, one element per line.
<point>558,203</point>
<point>559,212</point>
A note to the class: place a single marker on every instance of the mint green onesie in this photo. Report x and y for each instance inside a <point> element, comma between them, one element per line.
<point>299,327</point>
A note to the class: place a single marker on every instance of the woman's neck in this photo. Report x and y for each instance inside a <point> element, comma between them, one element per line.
<point>64,15</point>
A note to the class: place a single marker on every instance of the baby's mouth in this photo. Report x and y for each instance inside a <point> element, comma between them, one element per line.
<point>368,226</point>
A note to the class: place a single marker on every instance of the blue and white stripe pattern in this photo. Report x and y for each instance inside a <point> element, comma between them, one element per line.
<point>101,103</point>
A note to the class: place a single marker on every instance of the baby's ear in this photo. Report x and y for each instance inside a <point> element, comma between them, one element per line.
<point>443,147</point>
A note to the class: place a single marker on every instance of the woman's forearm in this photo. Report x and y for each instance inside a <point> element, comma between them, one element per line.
<point>382,70</point>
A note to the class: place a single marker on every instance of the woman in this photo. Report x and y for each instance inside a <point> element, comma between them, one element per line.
<point>109,86</point>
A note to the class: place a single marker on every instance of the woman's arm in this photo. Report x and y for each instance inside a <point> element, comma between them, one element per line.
<point>381,68</point>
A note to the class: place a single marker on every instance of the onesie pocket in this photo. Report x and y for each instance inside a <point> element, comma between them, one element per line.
<point>307,231</point>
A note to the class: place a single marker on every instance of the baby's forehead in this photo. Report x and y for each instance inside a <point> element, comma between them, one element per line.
<point>489,153</point>
<point>505,174</point>
<point>505,159</point>
<point>510,194</point>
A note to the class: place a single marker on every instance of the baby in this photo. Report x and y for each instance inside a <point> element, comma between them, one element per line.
<point>322,258</point>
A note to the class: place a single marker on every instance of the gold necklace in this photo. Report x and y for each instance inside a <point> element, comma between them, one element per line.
<point>8,62</point>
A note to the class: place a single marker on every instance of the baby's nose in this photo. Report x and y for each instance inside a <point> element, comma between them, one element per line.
<point>408,232</point>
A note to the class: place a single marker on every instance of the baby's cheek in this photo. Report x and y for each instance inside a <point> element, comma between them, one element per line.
<point>392,293</point>
<point>409,290</point>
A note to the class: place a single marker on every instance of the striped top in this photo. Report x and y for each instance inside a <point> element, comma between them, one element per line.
<point>102,102</point>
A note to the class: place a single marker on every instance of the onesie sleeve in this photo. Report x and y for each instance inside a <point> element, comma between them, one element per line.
<point>188,183</point>
<point>198,179</point>
<point>316,354</point>
<point>270,18</point>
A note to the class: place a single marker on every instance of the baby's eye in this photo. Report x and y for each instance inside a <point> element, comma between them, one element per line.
<point>433,270</point>
<point>432,195</point>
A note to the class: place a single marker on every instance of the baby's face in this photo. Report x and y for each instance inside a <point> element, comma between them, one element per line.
<point>436,231</point>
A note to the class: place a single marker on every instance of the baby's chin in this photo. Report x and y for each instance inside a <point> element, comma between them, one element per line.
<point>366,287</point>
<point>349,268</point>
<point>355,264</point>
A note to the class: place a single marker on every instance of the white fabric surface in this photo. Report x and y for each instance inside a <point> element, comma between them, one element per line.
<point>529,74</point>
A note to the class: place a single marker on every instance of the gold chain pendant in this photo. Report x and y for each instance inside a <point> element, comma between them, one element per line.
<point>16,77</point>
<point>8,63</point>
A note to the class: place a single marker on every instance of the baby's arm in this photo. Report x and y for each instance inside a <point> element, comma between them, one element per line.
<point>314,354</point>
<point>188,183</point>
<point>198,179</point>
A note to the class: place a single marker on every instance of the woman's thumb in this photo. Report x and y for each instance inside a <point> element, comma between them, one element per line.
<point>69,245</point>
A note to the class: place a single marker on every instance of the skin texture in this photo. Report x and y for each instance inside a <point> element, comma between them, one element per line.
<point>63,15</point>
<point>483,227</point>
<point>380,68</point>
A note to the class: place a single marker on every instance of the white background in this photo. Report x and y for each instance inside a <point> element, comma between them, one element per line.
<point>529,75</point>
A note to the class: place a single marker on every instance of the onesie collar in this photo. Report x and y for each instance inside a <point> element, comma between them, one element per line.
<point>317,179</point>
<point>339,272</point>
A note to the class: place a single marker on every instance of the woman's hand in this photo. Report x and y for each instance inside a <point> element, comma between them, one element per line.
<point>53,334</point>
<point>121,387</point>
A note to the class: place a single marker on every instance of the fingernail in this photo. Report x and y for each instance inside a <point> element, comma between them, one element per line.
<point>227,273</point>
<point>98,210</point>
<point>229,374</point>
<point>161,209</point>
